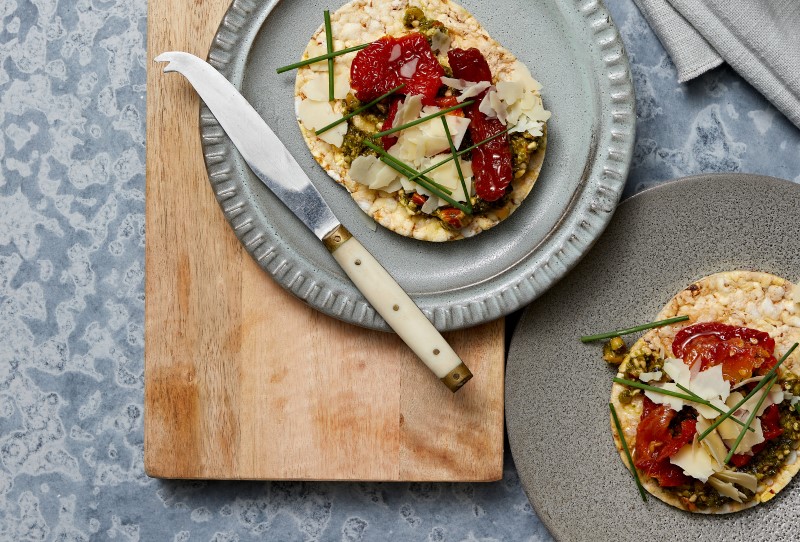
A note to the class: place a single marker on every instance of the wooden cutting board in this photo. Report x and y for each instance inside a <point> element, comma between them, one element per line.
<point>244,381</point>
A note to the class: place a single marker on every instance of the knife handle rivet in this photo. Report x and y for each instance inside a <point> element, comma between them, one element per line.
<point>396,307</point>
<point>456,376</point>
<point>435,351</point>
<point>358,262</point>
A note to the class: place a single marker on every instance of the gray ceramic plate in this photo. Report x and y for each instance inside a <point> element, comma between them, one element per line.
<point>557,389</point>
<point>572,48</point>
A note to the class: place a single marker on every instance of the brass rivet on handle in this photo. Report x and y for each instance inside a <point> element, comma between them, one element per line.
<point>456,378</point>
<point>396,308</point>
<point>336,238</point>
<point>358,262</point>
<point>435,351</point>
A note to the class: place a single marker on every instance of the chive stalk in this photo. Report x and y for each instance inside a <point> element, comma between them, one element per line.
<point>750,419</point>
<point>457,162</point>
<point>357,111</point>
<point>737,406</point>
<point>631,467</point>
<point>402,167</point>
<point>329,45</point>
<point>320,58</point>
<point>405,169</point>
<point>423,119</point>
<point>651,325</point>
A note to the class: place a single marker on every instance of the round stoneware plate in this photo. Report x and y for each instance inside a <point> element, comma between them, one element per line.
<point>557,389</point>
<point>571,47</point>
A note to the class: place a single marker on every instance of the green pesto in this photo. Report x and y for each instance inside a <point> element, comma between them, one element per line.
<point>642,361</point>
<point>614,350</point>
<point>405,200</point>
<point>415,18</point>
<point>626,396</point>
<point>522,146</point>
<point>700,495</point>
<point>480,206</point>
<point>791,383</point>
<point>790,422</point>
<point>353,143</point>
<point>351,103</point>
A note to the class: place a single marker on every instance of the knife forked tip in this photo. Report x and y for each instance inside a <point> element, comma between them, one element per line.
<point>175,59</point>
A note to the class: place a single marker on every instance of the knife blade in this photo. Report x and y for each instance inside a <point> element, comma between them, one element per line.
<point>274,165</point>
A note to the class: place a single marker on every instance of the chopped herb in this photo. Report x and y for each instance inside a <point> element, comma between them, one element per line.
<point>423,119</point>
<point>631,467</point>
<point>660,323</point>
<point>320,58</point>
<point>329,45</point>
<point>358,111</point>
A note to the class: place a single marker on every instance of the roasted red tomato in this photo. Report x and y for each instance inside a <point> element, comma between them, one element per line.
<point>656,443</point>
<point>390,62</point>
<point>741,351</point>
<point>491,162</point>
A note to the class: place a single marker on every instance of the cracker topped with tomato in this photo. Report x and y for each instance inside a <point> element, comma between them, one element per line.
<point>419,58</point>
<point>740,327</point>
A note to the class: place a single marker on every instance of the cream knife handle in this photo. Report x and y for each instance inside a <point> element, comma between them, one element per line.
<point>399,311</point>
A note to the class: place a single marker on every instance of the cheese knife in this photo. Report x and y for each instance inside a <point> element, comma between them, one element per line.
<point>274,165</point>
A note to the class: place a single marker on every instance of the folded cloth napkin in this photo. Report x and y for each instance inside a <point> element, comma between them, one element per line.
<point>759,39</point>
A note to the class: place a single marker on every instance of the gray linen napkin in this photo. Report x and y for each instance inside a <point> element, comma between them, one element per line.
<point>759,39</point>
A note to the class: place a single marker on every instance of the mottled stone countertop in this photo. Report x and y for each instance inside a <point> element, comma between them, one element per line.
<point>72,293</point>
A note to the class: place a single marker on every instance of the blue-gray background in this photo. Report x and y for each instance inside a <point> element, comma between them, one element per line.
<point>72,107</point>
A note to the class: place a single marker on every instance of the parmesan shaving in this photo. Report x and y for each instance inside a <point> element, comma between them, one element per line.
<point>440,42</point>
<point>313,115</point>
<point>744,479</point>
<point>750,439</point>
<point>473,90</point>
<point>649,377</point>
<point>727,489</point>
<point>458,84</point>
<point>317,87</point>
<point>409,68</point>
<point>408,110</point>
<point>712,442</point>
<point>396,52</point>
<point>695,461</point>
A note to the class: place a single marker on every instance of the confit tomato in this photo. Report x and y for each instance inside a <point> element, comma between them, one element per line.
<point>741,351</point>
<point>491,162</point>
<point>390,62</point>
<point>656,442</point>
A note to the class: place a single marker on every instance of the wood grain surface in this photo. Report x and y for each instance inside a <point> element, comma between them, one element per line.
<point>244,381</point>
